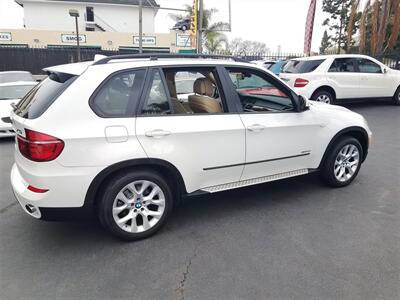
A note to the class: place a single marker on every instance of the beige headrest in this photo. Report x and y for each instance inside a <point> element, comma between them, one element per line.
<point>203,86</point>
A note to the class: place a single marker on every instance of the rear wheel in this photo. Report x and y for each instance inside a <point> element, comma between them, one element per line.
<point>324,96</point>
<point>396,97</point>
<point>343,162</point>
<point>135,205</point>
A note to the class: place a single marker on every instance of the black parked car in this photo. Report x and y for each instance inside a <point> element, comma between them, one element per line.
<point>182,25</point>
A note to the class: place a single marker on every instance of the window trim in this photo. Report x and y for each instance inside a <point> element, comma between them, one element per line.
<point>132,106</point>
<point>291,94</point>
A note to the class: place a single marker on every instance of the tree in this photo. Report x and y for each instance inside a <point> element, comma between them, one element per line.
<point>338,21</point>
<point>380,27</point>
<point>211,35</point>
<point>241,47</point>
<point>325,43</point>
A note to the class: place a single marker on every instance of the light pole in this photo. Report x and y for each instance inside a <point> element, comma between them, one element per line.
<point>75,13</point>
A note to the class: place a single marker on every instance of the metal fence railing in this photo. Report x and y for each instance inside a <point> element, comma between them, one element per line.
<point>35,59</point>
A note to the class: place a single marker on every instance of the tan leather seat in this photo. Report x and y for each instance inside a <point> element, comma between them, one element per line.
<point>202,101</point>
<point>178,107</point>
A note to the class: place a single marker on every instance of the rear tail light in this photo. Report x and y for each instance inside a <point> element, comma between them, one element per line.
<point>39,147</point>
<point>300,82</point>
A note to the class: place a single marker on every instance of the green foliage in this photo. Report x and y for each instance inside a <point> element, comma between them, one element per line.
<point>338,21</point>
<point>325,43</point>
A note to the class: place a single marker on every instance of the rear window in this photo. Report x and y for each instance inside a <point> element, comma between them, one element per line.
<point>13,77</point>
<point>36,102</point>
<point>302,66</point>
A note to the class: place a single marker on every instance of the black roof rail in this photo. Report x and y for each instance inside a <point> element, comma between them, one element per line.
<point>156,56</point>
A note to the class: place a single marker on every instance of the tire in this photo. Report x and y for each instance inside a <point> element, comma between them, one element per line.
<point>126,196</point>
<point>324,96</point>
<point>343,161</point>
<point>184,28</point>
<point>396,97</point>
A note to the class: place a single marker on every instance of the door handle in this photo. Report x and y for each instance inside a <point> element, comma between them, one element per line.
<point>256,127</point>
<point>157,133</point>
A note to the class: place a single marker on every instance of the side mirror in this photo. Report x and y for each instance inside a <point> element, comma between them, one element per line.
<point>303,103</point>
<point>385,70</point>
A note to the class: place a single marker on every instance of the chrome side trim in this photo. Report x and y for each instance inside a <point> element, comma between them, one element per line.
<point>238,184</point>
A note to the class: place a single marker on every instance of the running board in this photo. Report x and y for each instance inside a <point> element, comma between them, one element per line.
<point>239,184</point>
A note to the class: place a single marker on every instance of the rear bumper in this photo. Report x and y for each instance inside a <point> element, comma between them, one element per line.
<point>66,189</point>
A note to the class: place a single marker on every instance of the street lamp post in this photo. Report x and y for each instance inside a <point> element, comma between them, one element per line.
<point>75,13</point>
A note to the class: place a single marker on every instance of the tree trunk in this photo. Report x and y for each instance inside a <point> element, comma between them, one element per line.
<point>375,19</point>
<point>383,24</point>
<point>396,25</point>
<point>351,25</point>
<point>363,27</point>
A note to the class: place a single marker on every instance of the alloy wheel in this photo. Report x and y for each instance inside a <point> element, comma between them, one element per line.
<point>346,163</point>
<point>324,98</point>
<point>138,206</point>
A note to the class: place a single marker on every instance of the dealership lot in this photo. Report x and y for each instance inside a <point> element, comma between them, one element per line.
<point>294,239</point>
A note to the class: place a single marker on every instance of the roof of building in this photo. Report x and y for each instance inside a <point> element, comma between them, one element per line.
<point>146,3</point>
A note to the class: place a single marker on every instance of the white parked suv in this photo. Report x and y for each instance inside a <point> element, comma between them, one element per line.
<point>113,136</point>
<point>340,78</point>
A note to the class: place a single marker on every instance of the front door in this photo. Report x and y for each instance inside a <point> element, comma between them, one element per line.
<point>279,140</point>
<point>195,131</point>
<point>373,82</point>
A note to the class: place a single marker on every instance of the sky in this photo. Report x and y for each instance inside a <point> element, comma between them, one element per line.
<point>274,22</point>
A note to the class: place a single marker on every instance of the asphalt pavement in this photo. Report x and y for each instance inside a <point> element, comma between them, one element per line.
<point>293,239</point>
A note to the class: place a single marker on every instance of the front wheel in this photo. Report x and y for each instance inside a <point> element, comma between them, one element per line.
<point>135,205</point>
<point>343,162</point>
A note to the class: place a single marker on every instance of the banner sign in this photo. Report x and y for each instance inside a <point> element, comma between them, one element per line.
<point>146,40</point>
<point>71,38</point>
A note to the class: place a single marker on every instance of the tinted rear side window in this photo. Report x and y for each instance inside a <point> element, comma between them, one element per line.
<point>118,95</point>
<point>36,102</point>
<point>302,66</point>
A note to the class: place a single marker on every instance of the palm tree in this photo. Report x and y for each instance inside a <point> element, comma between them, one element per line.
<point>213,39</point>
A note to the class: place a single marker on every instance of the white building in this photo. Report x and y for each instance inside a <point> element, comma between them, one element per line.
<point>95,15</point>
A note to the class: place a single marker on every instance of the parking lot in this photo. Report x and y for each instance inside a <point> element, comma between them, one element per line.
<point>294,239</point>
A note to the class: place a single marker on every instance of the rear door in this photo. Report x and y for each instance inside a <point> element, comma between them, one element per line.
<point>208,148</point>
<point>344,77</point>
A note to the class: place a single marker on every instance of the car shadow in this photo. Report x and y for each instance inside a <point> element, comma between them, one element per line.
<point>195,211</point>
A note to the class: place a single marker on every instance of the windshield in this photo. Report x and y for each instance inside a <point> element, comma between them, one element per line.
<point>14,92</point>
<point>12,77</point>
<point>302,66</point>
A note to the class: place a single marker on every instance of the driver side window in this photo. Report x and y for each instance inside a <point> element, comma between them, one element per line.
<point>257,93</point>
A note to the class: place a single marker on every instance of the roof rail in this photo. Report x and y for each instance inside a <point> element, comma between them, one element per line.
<point>156,56</point>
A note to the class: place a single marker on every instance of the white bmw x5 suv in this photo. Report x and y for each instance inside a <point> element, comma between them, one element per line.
<point>114,136</point>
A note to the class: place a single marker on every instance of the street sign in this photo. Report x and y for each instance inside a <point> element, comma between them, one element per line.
<point>146,40</point>
<point>71,38</point>
<point>5,36</point>
<point>183,40</point>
